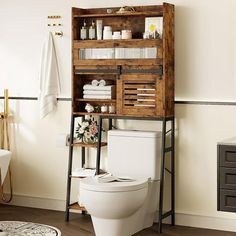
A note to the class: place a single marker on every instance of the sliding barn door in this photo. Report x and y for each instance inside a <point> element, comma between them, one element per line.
<point>139,94</point>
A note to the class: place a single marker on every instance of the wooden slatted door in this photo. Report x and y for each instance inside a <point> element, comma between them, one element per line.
<point>139,94</point>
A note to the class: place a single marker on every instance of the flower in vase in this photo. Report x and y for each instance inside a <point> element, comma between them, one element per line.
<point>87,131</point>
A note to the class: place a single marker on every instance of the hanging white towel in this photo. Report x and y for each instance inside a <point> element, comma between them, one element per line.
<point>49,78</point>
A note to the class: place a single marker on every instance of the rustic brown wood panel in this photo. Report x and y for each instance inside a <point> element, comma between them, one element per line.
<point>123,43</point>
<point>114,62</point>
<point>137,94</point>
<point>168,58</point>
<point>164,87</point>
<point>157,9</point>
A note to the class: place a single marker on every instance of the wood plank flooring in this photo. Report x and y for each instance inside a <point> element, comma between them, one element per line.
<point>81,225</point>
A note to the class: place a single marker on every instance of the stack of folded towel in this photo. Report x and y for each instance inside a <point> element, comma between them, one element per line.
<point>98,90</point>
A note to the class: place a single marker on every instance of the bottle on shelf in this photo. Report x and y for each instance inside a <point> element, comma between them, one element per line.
<point>104,108</point>
<point>84,31</point>
<point>99,29</point>
<point>92,31</point>
<point>111,108</point>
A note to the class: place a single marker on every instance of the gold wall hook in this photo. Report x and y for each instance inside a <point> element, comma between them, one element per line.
<point>54,17</point>
<point>59,33</point>
<point>54,24</point>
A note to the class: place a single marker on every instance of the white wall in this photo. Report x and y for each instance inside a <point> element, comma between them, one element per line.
<point>205,70</point>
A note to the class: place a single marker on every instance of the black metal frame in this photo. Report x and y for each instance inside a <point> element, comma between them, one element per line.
<point>164,151</point>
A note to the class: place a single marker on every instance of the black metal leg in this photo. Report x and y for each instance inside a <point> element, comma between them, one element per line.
<point>162,174</point>
<point>110,124</point>
<point>82,151</point>
<point>173,171</point>
<point>82,157</point>
<point>69,167</point>
<point>99,145</point>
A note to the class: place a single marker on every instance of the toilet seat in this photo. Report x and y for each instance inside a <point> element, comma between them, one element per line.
<point>90,183</point>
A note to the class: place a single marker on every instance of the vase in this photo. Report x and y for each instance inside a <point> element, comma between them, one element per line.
<point>89,140</point>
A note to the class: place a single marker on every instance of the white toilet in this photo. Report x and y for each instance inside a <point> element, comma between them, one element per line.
<point>124,208</point>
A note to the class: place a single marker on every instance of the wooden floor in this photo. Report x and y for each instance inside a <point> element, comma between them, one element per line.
<point>81,225</point>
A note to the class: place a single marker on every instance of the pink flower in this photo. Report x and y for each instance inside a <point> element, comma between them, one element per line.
<point>93,129</point>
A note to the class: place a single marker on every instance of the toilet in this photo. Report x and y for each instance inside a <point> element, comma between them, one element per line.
<point>125,208</point>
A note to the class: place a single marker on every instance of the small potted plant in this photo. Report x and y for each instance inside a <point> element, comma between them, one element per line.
<point>87,131</point>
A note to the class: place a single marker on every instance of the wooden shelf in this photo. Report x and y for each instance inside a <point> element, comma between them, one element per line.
<point>82,177</point>
<point>115,62</point>
<point>129,14</point>
<point>88,145</point>
<point>95,100</point>
<point>93,113</point>
<point>76,206</point>
<point>77,177</point>
<point>156,117</point>
<point>118,43</point>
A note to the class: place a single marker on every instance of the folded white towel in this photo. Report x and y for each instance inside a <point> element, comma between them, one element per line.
<point>97,96</point>
<point>91,87</point>
<point>95,82</point>
<point>49,78</point>
<point>97,92</point>
<point>102,82</point>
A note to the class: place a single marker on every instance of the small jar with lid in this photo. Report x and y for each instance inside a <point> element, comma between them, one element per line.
<point>107,32</point>
<point>84,32</point>
<point>104,108</point>
<point>111,108</point>
<point>126,34</point>
<point>92,31</point>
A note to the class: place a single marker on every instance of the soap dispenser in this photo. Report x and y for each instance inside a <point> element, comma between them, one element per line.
<point>92,31</point>
<point>83,32</point>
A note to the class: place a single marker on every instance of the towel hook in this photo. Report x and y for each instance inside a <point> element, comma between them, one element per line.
<point>59,33</point>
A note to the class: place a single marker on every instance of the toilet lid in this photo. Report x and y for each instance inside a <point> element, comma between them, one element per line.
<point>90,183</point>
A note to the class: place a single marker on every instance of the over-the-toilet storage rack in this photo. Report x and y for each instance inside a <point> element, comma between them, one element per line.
<point>130,76</point>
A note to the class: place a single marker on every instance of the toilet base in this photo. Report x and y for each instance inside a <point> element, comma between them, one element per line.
<point>141,219</point>
<point>122,227</point>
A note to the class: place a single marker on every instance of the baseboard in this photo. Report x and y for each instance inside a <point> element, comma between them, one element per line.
<point>207,222</point>
<point>184,219</point>
<point>36,202</point>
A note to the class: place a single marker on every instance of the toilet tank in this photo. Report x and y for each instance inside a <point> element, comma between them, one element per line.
<point>134,153</point>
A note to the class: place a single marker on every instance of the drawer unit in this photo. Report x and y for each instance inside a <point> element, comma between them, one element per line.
<point>226,177</point>
<point>227,156</point>
<point>227,200</point>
